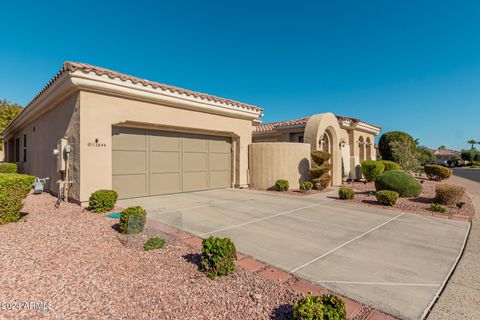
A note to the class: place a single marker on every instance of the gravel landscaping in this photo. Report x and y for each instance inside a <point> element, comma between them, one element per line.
<point>73,261</point>
<point>365,195</point>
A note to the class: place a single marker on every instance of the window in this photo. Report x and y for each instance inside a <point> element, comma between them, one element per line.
<point>24,148</point>
<point>300,138</point>
<point>17,150</point>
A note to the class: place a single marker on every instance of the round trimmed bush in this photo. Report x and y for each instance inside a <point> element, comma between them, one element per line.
<point>320,157</point>
<point>14,188</point>
<point>8,168</point>
<point>218,257</point>
<point>436,172</point>
<point>306,186</point>
<point>448,194</point>
<point>132,220</point>
<point>372,169</point>
<point>346,193</point>
<point>281,185</point>
<point>387,197</point>
<point>328,306</point>
<point>390,165</point>
<point>399,181</point>
<point>102,200</point>
<point>384,144</point>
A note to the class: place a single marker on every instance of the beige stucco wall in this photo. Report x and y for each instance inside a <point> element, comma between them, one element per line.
<point>270,161</point>
<point>99,112</point>
<point>61,120</point>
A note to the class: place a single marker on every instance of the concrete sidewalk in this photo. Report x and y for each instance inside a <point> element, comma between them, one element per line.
<point>461,297</point>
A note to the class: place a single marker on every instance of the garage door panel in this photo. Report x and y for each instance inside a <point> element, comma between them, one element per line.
<point>124,161</point>
<point>129,139</point>
<point>220,161</point>
<point>193,181</point>
<point>162,183</point>
<point>130,185</point>
<point>164,141</point>
<point>164,162</point>
<point>220,179</point>
<point>194,161</point>
<point>194,143</point>
<point>219,144</point>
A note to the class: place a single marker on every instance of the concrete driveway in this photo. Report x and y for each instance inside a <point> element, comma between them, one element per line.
<point>394,261</point>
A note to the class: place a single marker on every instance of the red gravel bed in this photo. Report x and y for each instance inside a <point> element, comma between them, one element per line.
<point>73,259</point>
<point>365,195</point>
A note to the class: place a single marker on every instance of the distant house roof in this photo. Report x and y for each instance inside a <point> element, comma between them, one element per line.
<point>269,127</point>
<point>446,152</point>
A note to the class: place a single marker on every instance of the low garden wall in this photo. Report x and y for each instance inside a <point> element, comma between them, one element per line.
<point>270,161</point>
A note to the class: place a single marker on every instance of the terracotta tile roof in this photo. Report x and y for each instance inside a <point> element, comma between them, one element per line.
<point>74,66</point>
<point>446,152</point>
<point>269,127</point>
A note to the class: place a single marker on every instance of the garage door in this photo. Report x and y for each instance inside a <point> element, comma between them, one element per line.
<point>148,162</point>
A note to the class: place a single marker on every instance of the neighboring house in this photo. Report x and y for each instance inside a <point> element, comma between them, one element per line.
<point>350,141</point>
<point>442,156</point>
<point>142,138</point>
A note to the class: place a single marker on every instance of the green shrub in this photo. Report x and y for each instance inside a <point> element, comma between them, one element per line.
<point>8,168</point>
<point>281,185</point>
<point>386,197</point>
<point>346,193</point>
<point>154,243</point>
<point>218,257</point>
<point>319,157</point>
<point>132,220</point>
<point>399,181</point>
<point>372,169</point>
<point>326,307</point>
<point>435,207</point>
<point>436,172</point>
<point>384,144</point>
<point>102,201</point>
<point>390,165</point>
<point>319,173</point>
<point>323,182</point>
<point>448,194</point>
<point>470,155</point>
<point>305,186</point>
<point>14,188</point>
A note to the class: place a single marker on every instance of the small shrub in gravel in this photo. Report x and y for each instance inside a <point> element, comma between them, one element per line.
<point>102,201</point>
<point>346,193</point>
<point>14,188</point>
<point>448,194</point>
<point>390,165</point>
<point>218,257</point>
<point>435,207</point>
<point>399,181</point>
<point>436,172</point>
<point>8,168</point>
<point>132,220</point>
<point>326,307</point>
<point>306,186</point>
<point>372,169</point>
<point>387,197</point>
<point>281,185</point>
<point>154,243</point>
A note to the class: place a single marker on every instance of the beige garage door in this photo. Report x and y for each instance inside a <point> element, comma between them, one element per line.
<point>148,162</point>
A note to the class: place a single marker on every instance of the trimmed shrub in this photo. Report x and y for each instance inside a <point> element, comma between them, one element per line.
<point>436,172</point>
<point>218,257</point>
<point>346,193</point>
<point>281,185</point>
<point>372,169</point>
<point>8,168</point>
<point>102,200</point>
<point>448,194</point>
<point>384,144</point>
<point>306,186</point>
<point>399,181</point>
<point>132,220</point>
<point>435,207</point>
<point>319,172</point>
<point>387,197</point>
<point>326,307</point>
<point>390,165</point>
<point>14,188</point>
<point>154,243</point>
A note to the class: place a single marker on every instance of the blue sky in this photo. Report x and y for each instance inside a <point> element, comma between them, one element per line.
<point>404,65</point>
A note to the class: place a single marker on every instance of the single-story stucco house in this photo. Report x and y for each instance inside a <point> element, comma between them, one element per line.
<point>142,138</point>
<point>443,156</point>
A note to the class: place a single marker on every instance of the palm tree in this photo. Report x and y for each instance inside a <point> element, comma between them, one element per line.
<point>442,147</point>
<point>472,142</point>
<point>417,142</point>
